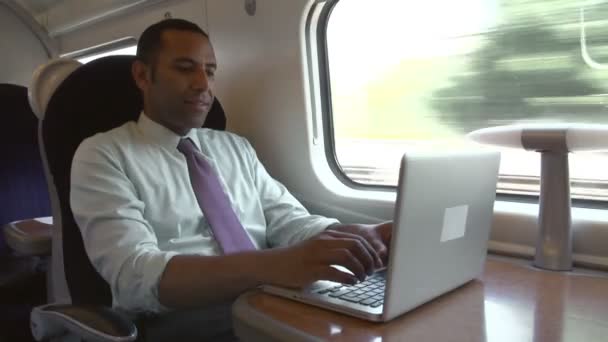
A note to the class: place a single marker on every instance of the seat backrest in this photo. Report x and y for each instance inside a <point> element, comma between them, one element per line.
<point>96,97</point>
<point>23,189</point>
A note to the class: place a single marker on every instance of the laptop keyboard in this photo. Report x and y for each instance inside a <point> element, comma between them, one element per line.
<point>368,293</point>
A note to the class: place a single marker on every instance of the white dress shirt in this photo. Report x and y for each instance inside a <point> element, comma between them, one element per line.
<point>132,199</point>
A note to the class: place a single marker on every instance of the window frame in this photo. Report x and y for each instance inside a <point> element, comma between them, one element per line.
<point>101,48</point>
<point>325,98</point>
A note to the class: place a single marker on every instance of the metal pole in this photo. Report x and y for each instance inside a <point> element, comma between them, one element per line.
<point>554,242</point>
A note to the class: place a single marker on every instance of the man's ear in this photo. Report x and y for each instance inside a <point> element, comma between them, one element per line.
<point>141,74</point>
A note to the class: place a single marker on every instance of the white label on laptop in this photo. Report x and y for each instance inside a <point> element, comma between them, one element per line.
<point>454,222</point>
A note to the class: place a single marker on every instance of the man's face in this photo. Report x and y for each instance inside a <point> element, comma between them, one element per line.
<point>178,85</point>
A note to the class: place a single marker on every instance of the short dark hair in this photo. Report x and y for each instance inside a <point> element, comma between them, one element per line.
<point>150,40</point>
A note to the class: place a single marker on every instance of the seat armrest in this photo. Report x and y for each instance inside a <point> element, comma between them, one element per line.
<point>31,236</point>
<point>91,323</point>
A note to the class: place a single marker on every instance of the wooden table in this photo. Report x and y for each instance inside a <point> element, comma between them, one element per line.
<point>512,301</point>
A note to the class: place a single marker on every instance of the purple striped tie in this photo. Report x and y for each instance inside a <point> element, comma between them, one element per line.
<point>214,203</point>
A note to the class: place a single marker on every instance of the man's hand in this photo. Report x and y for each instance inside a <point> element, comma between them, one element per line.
<point>311,260</point>
<point>359,248</point>
<point>377,235</point>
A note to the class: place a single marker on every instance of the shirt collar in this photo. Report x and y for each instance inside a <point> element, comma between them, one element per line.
<point>161,134</point>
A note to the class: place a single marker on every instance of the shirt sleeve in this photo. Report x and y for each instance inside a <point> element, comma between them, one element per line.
<point>120,243</point>
<point>287,221</point>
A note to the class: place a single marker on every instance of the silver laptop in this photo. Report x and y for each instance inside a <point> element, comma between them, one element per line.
<point>441,228</point>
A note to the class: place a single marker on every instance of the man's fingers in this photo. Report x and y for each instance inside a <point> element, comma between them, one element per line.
<point>385,230</point>
<point>335,275</point>
<point>369,249</point>
<point>345,258</point>
<point>382,251</point>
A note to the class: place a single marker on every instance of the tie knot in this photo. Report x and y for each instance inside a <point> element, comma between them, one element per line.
<point>186,145</point>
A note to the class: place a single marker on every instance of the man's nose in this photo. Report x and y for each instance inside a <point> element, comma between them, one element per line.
<point>201,80</point>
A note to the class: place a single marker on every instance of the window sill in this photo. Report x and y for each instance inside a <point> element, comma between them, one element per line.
<point>515,228</point>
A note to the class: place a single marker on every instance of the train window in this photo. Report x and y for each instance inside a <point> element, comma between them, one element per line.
<point>409,74</point>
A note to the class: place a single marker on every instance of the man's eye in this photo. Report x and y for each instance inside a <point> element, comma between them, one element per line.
<point>210,73</point>
<point>184,67</point>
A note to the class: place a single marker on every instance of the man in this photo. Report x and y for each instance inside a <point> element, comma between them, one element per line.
<point>144,220</point>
